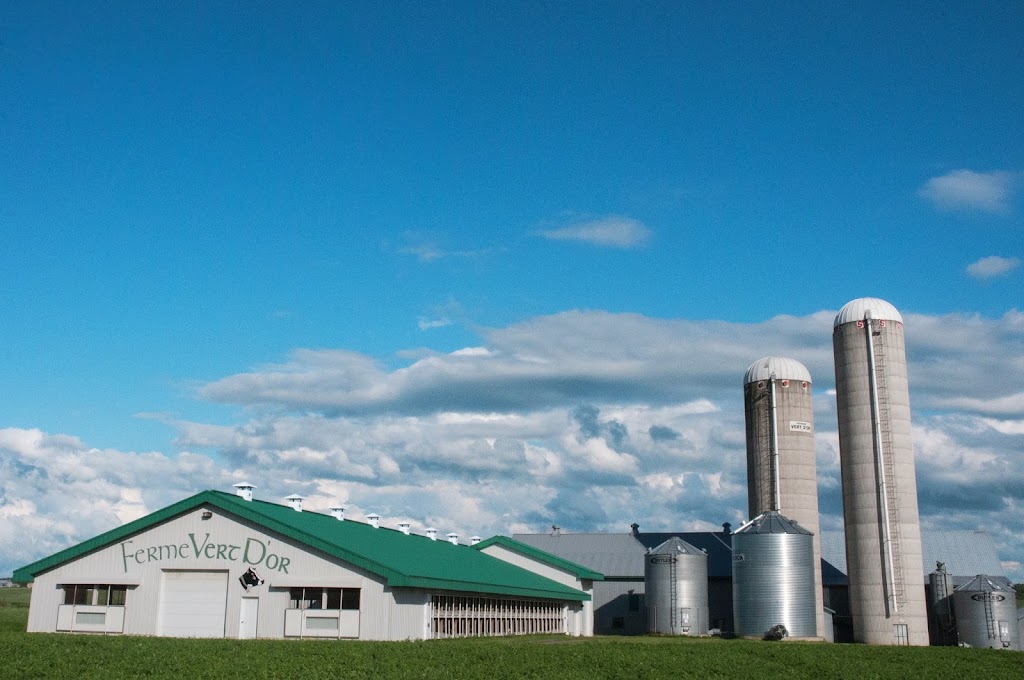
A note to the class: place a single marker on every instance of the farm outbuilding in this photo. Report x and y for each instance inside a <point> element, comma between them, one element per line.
<point>224,565</point>
<point>620,601</point>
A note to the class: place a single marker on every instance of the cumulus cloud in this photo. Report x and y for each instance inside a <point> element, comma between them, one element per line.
<point>59,491</point>
<point>546,361</point>
<point>588,420</point>
<point>611,232</point>
<point>992,267</point>
<point>970,190</point>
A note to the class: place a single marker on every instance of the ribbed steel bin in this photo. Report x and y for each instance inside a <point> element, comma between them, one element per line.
<point>676,589</point>
<point>986,614</point>
<point>773,577</point>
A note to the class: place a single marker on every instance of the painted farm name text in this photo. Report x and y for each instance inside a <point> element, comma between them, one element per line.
<point>253,551</point>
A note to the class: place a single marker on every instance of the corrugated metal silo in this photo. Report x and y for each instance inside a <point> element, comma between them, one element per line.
<point>676,589</point>
<point>1020,628</point>
<point>780,438</point>
<point>773,577</point>
<point>883,533</point>
<point>941,622</point>
<point>986,614</point>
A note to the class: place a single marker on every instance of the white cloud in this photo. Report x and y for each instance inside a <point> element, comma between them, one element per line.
<point>426,247</point>
<point>424,252</point>
<point>588,420</point>
<point>425,324</point>
<point>612,232</point>
<point>58,491</point>
<point>992,267</point>
<point>969,190</point>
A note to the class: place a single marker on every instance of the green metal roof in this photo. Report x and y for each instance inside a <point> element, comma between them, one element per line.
<point>403,561</point>
<point>577,570</point>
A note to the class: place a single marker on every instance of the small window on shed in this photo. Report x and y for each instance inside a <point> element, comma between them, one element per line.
<point>619,622</point>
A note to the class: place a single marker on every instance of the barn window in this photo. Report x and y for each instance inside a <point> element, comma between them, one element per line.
<point>99,595</point>
<point>322,613</point>
<point>324,598</point>
<point>92,608</point>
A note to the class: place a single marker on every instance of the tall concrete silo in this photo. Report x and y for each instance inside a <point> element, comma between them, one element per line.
<point>780,438</point>
<point>883,533</point>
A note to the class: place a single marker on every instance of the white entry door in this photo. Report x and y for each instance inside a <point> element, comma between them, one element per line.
<point>192,603</point>
<point>248,614</point>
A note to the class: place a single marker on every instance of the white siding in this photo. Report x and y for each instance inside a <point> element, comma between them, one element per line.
<point>221,543</point>
<point>579,616</point>
<point>229,545</point>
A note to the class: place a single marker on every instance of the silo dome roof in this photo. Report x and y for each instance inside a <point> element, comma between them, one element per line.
<point>772,522</point>
<point>676,546</point>
<point>855,310</point>
<point>783,368</point>
<point>984,584</point>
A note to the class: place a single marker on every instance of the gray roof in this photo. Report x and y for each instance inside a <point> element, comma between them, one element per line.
<point>614,555</point>
<point>965,553</point>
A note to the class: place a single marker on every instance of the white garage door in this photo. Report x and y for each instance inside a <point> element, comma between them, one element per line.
<point>192,603</point>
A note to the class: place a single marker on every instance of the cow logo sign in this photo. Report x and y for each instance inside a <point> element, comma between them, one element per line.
<point>250,579</point>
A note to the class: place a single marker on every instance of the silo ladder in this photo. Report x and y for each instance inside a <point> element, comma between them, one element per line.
<point>889,466</point>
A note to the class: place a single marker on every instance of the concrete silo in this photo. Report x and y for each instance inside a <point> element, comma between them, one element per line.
<point>780,438</point>
<point>883,534</point>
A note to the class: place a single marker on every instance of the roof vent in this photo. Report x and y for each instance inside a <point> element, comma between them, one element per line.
<point>635,528</point>
<point>453,538</point>
<point>473,540</point>
<point>431,533</point>
<point>726,528</point>
<point>244,490</point>
<point>295,500</point>
<point>404,527</point>
<point>338,512</point>
<point>374,520</point>
<point>556,530</point>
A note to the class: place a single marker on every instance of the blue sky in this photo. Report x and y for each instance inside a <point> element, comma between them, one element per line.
<point>392,252</point>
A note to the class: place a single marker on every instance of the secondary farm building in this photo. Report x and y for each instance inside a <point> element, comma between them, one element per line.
<point>224,565</point>
<point>619,600</point>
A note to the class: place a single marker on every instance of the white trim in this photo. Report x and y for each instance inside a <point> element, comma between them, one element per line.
<point>316,582</point>
<point>99,580</point>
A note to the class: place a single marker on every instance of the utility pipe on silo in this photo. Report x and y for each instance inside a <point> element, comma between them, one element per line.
<point>775,444</point>
<point>880,460</point>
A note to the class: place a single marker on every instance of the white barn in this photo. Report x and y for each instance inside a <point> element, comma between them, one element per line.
<point>224,565</point>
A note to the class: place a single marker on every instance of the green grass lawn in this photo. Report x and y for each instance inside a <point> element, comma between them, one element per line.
<point>95,656</point>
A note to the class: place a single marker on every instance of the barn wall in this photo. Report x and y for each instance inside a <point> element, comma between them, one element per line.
<point>220,543</point>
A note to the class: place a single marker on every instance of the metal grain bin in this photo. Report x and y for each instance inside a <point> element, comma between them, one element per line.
<point>941,622</point>
<point>986,614</point>
<point>676,589</point>
<point>773,577</point>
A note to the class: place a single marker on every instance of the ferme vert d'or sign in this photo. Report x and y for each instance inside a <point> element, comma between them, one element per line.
<point>253,552</point>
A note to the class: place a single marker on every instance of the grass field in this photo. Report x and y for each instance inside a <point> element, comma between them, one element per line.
<point>92,656</point>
